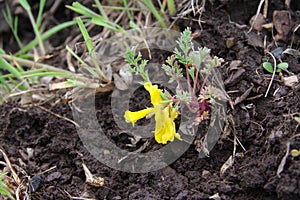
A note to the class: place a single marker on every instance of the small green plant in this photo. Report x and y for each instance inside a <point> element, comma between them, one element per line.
<point>96,71</point>
<point>4,189</point>
<point>269,67</point>
<point>196,66</point>
<point>295,152</point>
<point>13,24</point>
<point>36,23</point>
<point>297,118</point>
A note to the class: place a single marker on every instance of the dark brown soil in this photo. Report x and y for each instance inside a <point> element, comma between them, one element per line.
<point>263,125</point>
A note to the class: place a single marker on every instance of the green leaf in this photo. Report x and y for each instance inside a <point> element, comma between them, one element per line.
<point>156,14</point>
<point>165,101</point>
<point>171,7</point>
<point>192,72</point>
<point>268,67</point>
<point>25,4</point>
<point>40,14</point>
<point>85,34</point>
<point>295,152</point>
<point>282,65</point>
<point>45,36</point>
<point>196,59</point>
<point>297,119</point>
<point>5,65</point>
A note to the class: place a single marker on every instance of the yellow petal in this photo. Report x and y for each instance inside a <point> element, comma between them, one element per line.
<point>167,133</point>
<point>134,116</point>
<point>154,93</point>
<point>165,127</point>
<point>160,117</point>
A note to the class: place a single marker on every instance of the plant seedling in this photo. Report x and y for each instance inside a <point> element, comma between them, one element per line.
<point>197,97</point>
<point>295,152</point>
<point>269,67</point>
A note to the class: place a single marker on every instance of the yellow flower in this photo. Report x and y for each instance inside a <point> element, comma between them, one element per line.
<point>165,129</point>
<point>134,116</point>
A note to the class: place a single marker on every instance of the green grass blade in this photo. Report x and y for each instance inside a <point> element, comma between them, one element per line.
<point>79,8</point>
<point>171,7</point>
<point>118,8</point>
<point>92,72</point>
<point>25,4</point>
<point>2,51</point>
<point>13,24</point>
<point>40,14</point>
<point>5,65</point>
<point>42,74</point>
<point>37,33</point>
<point>75,55</point>
<point>4,82</point>
<point>45,36</point>
<point>100,21</point>
<point>101,10</point>
<point>85,35</point>
<point>7,15</point>
<point>153,10</point>
<point>95,18</point>
<point>128,12</point>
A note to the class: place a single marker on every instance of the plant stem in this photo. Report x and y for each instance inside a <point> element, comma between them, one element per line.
<point>44,66</point>
<point>195,82</point>
<point>204,81</point>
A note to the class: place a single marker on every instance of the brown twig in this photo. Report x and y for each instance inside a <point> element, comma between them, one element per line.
<point>59,116</point>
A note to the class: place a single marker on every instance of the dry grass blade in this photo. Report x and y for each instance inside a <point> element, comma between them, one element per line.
<point>13,172</point>
<point>273,75</point>
<point>59,116</point>
<point>18,186</point>
<point>91,179</point>
<point>256,15</point>
<point>283,160</point>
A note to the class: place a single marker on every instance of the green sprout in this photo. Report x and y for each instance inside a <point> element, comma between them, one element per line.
<point>297,118</point>
<point>295,152</point>
<point>269,67</point>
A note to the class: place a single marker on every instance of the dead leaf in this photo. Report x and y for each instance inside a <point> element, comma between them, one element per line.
<point>292,52</point>
<point>255,40</point>
<point>119,82</point>
<point>235,77</point>
<point>234,65</point>
<point>291,81</point>
<point>283,160</point>
<point>91,179</point>
<point>126,75</point>
<point>257,21</point>
<point>243,96</point>
<point>229,162</point>
<point>215,197</point>
<point>282,23</point>
<point>229,42</point>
